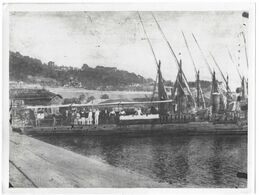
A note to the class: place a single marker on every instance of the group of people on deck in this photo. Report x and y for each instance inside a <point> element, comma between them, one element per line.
<point>82,117</point>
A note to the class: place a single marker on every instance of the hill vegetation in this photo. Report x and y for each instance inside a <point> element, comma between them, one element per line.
<point>31,70</point>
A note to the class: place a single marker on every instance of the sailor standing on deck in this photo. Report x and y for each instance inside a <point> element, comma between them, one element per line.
<point>38,117</point>
<point>96,117</point>
<point>90,117</point>
<point>78,116</point>
<point>112,116</point>
<point>139,112</point>
<point>122,112</point>
<point>83,115</point>
<point>73,118</point>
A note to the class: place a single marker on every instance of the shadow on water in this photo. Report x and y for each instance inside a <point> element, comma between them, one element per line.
<point>183,161</point>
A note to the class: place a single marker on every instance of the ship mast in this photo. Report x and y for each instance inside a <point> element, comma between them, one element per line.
<point>226,81</point>
<point>244,83</point>
<point>245,15</point>
<point>161,90</point>
<point>207,63</point>
<point>183,79</point>
<point>198,86</point>
<point>149,42</point>
<point>244,88</point>
<point>214,88</point>
<point>180,90</point>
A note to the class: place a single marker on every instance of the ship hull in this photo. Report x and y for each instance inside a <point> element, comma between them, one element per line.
<point>192,128</point>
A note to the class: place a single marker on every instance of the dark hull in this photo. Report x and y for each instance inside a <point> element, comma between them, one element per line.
<point>194,128</point>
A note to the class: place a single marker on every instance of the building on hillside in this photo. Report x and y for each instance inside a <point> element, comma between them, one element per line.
<point>33,97</point>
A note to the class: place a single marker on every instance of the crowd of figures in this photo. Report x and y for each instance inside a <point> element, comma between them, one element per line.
<point>76,116</point>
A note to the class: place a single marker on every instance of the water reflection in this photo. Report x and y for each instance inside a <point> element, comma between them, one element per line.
<point>183,161</point>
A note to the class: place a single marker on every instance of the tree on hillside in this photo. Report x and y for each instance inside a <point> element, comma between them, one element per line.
<point>100,77</point>
<point>82,97</point>
<point>91,98</point>
<point>104,96</point>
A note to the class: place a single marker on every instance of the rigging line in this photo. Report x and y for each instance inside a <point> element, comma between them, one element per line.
<point>232,60</point>
<point>174,87</point>
<point>220,71</point>
<point>202,96</point>
<point>148,39</point>
<point>190,93</point>
<point>189,53</point>
<point>210,70</point>
<point>154,89</point>
<point>180,86</point>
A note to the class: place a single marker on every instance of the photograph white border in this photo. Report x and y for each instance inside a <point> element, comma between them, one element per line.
<point>186,6</point>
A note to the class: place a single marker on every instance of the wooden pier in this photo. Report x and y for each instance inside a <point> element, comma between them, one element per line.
<point>36,164</point>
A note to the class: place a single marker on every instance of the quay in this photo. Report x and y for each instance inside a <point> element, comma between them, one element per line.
<point>36,164</point>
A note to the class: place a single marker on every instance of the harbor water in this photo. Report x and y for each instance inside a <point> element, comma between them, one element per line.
<point>182,161</point>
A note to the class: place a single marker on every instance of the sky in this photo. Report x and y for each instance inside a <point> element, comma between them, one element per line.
<point>117,39</point>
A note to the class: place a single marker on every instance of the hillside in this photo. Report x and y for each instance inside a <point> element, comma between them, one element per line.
<point>31,70</point>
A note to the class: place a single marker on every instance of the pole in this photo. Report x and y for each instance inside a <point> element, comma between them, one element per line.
<point>199,89</point>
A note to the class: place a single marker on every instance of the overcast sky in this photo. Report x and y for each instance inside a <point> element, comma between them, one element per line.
<point>117,39</point>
